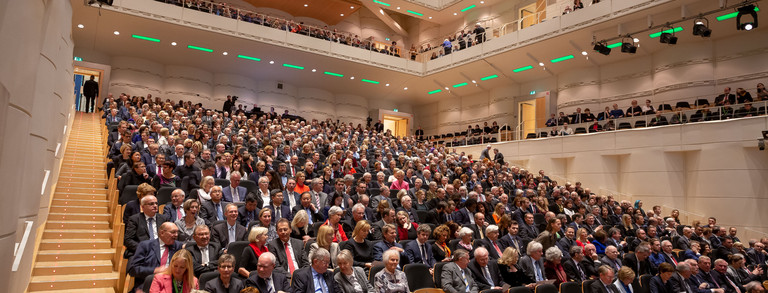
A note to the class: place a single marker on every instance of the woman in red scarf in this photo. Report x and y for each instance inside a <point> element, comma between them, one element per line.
<point>553,270</point>
<point>258,245</point>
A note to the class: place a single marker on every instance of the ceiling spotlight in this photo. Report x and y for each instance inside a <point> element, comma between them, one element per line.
<point>627,47</point>
<point>405,88</point>
<point>342,14</point>
<point>225,53</point>
<point>455,13</point>
<point>482,2</point>
<point>314,70</point>
<point>80,25</point>
<point>602,48</point>
<point>351,7</point>
<point>446,88</point>
<point>271,62</point>
<point>430,17</point>
<point>584,53</point>
<point>305,5</point>
<point>351,77</point>
<point>398,7</point>
<point>541,63</point>
<point>746,10</point>
<point>116,33</point>
<point>173,43</point>
<point>386,85</point>
<point>474,81</point>
<point>701,28</point>
<point>668,38</point>
<point>636,40</point>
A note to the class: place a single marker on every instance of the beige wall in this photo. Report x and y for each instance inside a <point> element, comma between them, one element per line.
<point>704,169</point>
<point>36,93</point>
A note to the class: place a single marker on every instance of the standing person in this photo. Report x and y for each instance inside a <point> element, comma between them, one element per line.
<point>90,91</point>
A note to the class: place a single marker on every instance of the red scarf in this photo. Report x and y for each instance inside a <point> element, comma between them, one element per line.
<point>258,251</point>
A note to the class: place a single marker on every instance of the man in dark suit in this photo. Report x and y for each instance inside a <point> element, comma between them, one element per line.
<point>567,242</point>
<point>456,277</point>
<point>317,272</point>
<point>90,91</point>
<point>528,230</point>
<point>466,215</point>
<point>213,210</point>
<point>612,258</point>
<point>291,198</point>
<point>151,257</point>
<point>436,216</point>
<point>205,253</point>
<point>289,252</point>
<point>478,227</point>
<point>723,279</point>
<point>406,204</point>
<point>420,251</point>
<point>756,255</point>
<point>277,208</point>
<point>512,239</point>
<point>485,271</point>
<point>638,261</point>
<point>223,233</point>
<point>388,217</point>
<point>305,203</point>
<point>605,283</point>
<point>143,226</point>
<point>679,281</point>
<point>234,192</point>
<point>492,242</point>
<point>726,96</point>
<point>174,209</point>
<point>249,211</point>
<point>572,266</point>
<point>706,274</point>
<point>725,249</point>
<point>266,277</point>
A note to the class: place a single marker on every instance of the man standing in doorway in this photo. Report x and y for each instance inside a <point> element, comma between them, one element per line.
<point>90,91</point>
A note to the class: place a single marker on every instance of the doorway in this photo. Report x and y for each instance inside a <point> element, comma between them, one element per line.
<point>527,117</point>
<point>83,74</point>
<point>398,125</point>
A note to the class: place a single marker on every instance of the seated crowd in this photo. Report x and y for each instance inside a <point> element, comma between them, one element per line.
<point>285,205</point>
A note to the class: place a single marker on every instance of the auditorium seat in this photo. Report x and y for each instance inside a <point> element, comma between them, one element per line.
<point>700,103</point>
<point>128,194</point>
<point>624,125</point>
<point>639,123</point>
<point>683,105</point>
<point>250,186</point>
<point>570,287</point>
<point>418,276</point>
<point>580,130</point>
<point>664,107</point>
<point>221,182</point>
<point>530,135</point>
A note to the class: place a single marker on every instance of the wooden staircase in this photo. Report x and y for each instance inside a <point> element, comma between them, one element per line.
<point>78,250</point>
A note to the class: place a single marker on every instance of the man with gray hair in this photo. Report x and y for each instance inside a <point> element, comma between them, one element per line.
<point>456,277</point>
<point>319,198</point>
<point>485,271</point>
<point>306,279</point>
<point>679,280</point>
<point>638,261</point>
<point>265,278</point>
<point>533,263</point>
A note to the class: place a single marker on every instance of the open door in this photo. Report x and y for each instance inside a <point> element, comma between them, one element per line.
<point>81,75</point>
<point>397,124</point>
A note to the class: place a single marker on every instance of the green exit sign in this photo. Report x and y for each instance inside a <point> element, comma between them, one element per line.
<point>395,110</point>
<point>533,92</point>
<point>78,58</point>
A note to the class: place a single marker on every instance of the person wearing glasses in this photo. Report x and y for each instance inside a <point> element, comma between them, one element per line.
<point>143,226</point>
<point>225,283</point>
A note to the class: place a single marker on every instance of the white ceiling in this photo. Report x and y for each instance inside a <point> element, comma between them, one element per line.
<point>98,36</point>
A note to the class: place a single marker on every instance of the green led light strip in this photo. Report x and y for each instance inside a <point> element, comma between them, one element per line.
<point>248,57</point>
<point>370,81</point>
<point>489,77</point>
<point>658,34</point>
<point>434,92</point>
<point>460,85</point>
<point>382,3</point>
<point>523,69</point>
<point>146,38</point>
<point>414,12</point>
<point>200,48</point>
<point>292,66</point>
<point>334,74</point>
<point>731,15</point>
<point>468,8</point>
<point>614,45</point>
<point>561,59</point>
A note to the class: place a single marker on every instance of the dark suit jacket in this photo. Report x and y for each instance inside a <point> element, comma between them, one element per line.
<point>227,193</point>
<point>493,270</point>
<point>528,232</point>
<point>215,286</point>
<point>453,282</point>
<point>462,216</point>
<point>475,230</point>
<point>214,251</point>
<point>657,286</point>
<point>136,231</point>
<point>303,282</point>
<point>285,212</point>
<point>722,280</point>
<point>507,240</point>
<point>208,211</point>
<point>279,280</point>
<point>677,284</point>
<point>526,263</point>
<point>242,216</point>
<point>170,211</point>
<point>414,253</point>
<point>278,248</point>
<point>569,265</point>
<point>597,287</point>
<point>492,250</point>
<point>346,286</point>
<point>646,267</point>
<point>220,235</point>
<point>147,258</point>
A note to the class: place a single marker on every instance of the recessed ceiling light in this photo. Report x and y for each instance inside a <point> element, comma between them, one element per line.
<point>116,33</point>
<point>351,77</point>
<point>351,7</point>
<point>386,85</point>
<point>305,5</point>
<point>482,2</point>
<point>173,43</point>
<point>474,81</point>
<point>405,88</point>
<point>455,13</point>
<point>447,88</point>
<point>584,53</point>
<point>80,25</point>
<point>430,17</point>
<point>398,7</point>
<point>314,70</point>
<point>342,14</point>
<point>271,62</point>
<point>225,53</point>
<point>636,40</point>
<point>541,63</point>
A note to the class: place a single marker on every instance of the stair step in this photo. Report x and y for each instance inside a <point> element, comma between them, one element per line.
<point>78,281</point>
<point>54,216</point>
<point>79,196</point>
<point>67,244</point>
<point>74,202</point>
<point>89,290</point>
<point>72,267</point>
<point>82,189</point>
<point>78,209</point>
<point>78,225</point>
<point>75,184</point>
<point>75,255</point>
<point>77,234</point>
<point>80,179</point>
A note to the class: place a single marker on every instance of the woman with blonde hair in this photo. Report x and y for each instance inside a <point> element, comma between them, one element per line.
<point>359,246</point>
<point>204,192</point>
<point>250,256</point>
<point>510,270</point>
<point>325,240</point>
<point>300,227</point>
<point>179,277</point>
<point>406,230</point>
<point>190,221</point>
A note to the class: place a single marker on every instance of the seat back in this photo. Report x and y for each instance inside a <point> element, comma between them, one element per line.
<point>128,194</point>
<point>586,286</point>
<point>702,102</point>
<point>580,130</point>
<point>147,282</point>
<point>429,290</point>
<point>639,123</point>
<point>530,135</point>
<point>221,182</point>
<point>205,277</point>
<point>625,125</point>
<point>570,287</point>
<point>250,186</point>
<point>236,249</point>
<point>164,194</point>
<point>543,134</point>
<point>683,105</point>
<point>418,276</point>
<point>645,284</point>
<point>422,215</point>
<point>520,289</point>
<point>438,273</point>
<point>372,273</point>
<point>545,288</point>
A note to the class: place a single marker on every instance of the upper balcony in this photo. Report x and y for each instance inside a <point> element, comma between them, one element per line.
<point>500,37</point>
